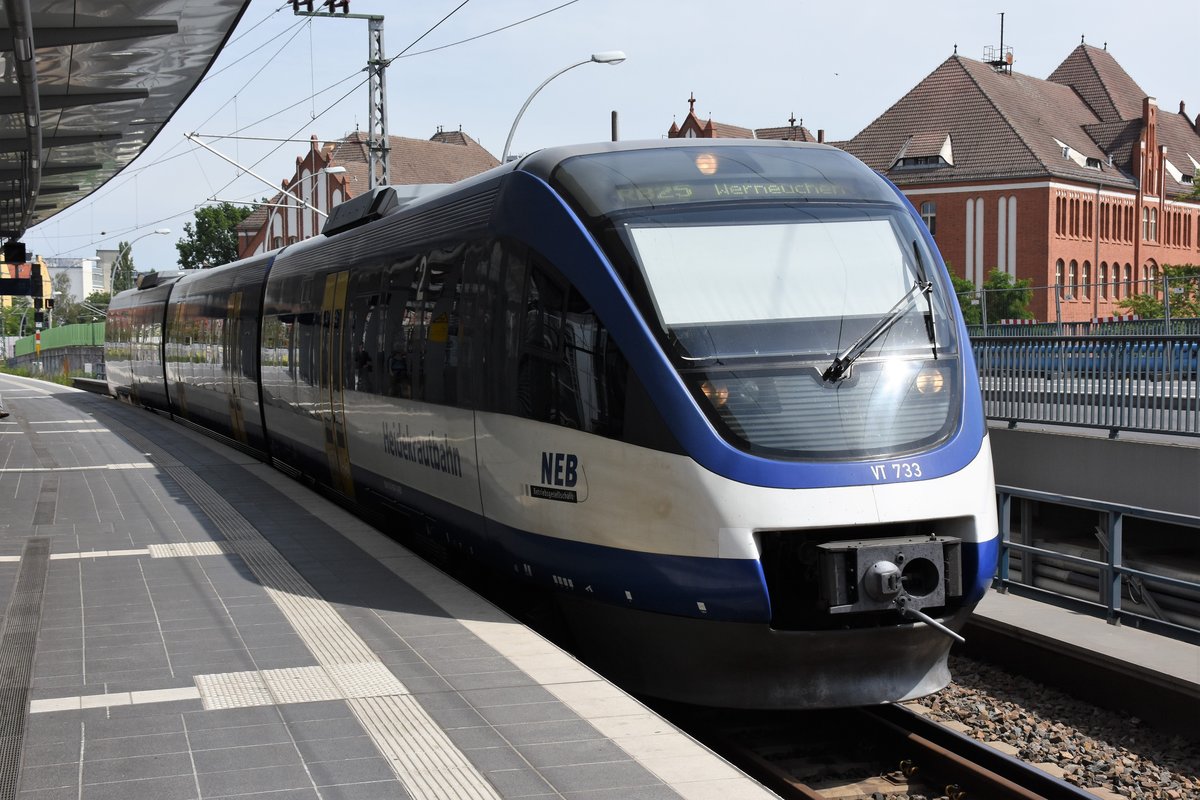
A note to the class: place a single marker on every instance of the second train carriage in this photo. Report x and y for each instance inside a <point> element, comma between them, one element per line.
<point>714,394</point>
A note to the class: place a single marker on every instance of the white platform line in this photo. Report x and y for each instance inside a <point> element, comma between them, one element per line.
<point>72,430</point>
<point>133,465</point>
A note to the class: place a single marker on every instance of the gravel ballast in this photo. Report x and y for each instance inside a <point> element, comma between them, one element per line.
<point>1092,747</point>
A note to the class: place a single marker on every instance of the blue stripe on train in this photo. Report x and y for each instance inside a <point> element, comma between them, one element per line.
<point>532,212</point>
<point>732,590</point>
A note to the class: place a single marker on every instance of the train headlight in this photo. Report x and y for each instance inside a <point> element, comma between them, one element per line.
<point>930,381</point>
<point>717,393</point>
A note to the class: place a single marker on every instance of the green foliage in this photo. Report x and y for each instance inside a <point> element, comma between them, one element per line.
<point>1006,298</point>
<point>123,272</point>
<point>213,239</point>
<point>66,307</point>
<point>26,372</point>
<point>1184,282</point>
<point>11,315</point>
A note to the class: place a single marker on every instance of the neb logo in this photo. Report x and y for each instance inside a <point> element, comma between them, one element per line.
<point>560,469</point>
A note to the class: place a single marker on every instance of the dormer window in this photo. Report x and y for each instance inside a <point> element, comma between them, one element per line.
<point>1087,162</point>
<point>921,161</point>
<point>925,150</point>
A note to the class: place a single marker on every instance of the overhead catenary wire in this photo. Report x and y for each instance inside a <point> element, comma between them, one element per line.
<point>404,53</point>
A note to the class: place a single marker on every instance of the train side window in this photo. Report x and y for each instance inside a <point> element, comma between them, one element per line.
<point>504,287</point>
<point>596,371</point>
<point>474,323</point>
<point>400,326</point>
<point>363,335</point>
<point>539,367</point>
<point>441,313</point>
<point>570,371</point>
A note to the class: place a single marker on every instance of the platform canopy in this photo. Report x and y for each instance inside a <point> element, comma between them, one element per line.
<point>87,85</point>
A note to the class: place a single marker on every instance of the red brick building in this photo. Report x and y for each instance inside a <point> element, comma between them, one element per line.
<point>694,128</point>
<point>447,157</point>
<point>1078,181</point>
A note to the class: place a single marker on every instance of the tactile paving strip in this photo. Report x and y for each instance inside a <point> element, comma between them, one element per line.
<point>297,685</point>
<point>17,646</point>
<point>184,549</point>
<point>418,750</point>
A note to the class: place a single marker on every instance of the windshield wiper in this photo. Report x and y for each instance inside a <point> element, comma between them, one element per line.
<point>837,370</point>
<point>921,276</point>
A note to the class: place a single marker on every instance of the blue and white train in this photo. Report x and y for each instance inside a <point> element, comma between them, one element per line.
<point>715,395</point>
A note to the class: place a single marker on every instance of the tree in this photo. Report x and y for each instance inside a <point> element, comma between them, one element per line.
<point>213,240</point>
<point>66,307</point>
<point>1006,298</point>
<point>1184,284</point>
<point>123,272</point>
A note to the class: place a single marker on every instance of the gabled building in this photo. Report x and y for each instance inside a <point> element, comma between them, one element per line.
<point>1077,182</point>
<point>695,128</point>
<point>335,172</point>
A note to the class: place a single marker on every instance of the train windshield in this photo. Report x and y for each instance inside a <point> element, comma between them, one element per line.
<point>811,324</point>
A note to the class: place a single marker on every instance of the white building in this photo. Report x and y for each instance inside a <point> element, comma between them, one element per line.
<point>84,273</point>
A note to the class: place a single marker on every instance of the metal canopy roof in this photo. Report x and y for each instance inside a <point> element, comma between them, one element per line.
<point>87,84</point>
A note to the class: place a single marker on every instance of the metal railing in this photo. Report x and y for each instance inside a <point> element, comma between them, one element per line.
<point>1187,326</point>
<point>1118,383</point>
<point>1104,581</point>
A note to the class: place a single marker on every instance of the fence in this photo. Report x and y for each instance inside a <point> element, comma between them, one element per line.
<point>1083,304</point>
<point>1134,383</point>
<point>1100,575</point>
<point>87,334</point>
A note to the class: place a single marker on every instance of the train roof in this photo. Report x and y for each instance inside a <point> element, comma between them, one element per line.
<point>543,162</point>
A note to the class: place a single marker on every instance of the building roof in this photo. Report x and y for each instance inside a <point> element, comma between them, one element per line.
<point>447,157</point>
<point>788,133</point>
<point>1101,82</point>
<point>1002,125</point>
<point>1084,123</point>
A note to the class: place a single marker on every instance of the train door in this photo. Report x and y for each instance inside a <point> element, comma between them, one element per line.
<point>332,370</point>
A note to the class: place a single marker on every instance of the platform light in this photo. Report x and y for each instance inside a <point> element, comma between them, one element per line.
<point>706,163</point>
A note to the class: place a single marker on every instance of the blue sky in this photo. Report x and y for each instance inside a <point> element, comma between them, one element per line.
<point>752,63</point>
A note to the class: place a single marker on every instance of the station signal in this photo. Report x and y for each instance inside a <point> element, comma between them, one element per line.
<point>15,253</point>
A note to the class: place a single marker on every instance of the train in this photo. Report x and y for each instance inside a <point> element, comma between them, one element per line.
<point>715,397</point>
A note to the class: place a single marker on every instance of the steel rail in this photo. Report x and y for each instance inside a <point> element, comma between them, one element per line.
<point>977,768</point>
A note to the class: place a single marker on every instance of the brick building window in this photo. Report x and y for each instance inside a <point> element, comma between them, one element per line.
<point>1058,275</point>
<point>1087,279</point>
<point>929,214</point>
<point>1073,280</point>
<point>1128,281</point>
<point>1103,287</point>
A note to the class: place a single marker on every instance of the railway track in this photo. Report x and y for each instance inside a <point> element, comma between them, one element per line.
<point>875,752</point>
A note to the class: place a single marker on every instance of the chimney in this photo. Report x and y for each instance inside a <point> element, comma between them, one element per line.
<point>821,135</point>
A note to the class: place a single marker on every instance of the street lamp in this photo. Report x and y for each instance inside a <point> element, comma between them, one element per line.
<point>607,57</point>
<point>127,251</point>
<point>287,190</point>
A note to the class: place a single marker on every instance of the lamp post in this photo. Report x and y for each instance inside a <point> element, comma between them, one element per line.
<point>126,252</point>
<point>607,57</point>
<point>287,190</point>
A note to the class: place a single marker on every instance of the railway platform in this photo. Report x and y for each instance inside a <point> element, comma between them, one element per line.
<point>183,621</point>
<point>1149,676</point>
